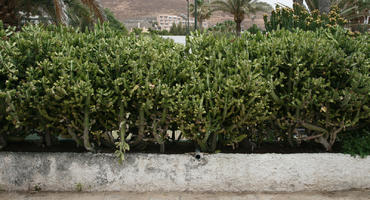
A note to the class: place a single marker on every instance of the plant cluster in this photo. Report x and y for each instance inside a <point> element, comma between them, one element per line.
<point>254,29</point>
<point>227,26</point>
<point>299,17</point>
<point>178,29</point>
<point>107,89</point>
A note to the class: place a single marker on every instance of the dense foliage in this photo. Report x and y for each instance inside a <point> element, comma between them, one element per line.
<point>299,17</point>
<point>356,142</point>
<point>105,88</point>
<point>113,22</point>
<point>227,26</point>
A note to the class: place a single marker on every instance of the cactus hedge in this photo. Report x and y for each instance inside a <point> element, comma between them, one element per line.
<point>300,17</point>
<point>103,88</point>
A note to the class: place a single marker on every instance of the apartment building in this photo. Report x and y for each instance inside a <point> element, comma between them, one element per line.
<point>165,22</point>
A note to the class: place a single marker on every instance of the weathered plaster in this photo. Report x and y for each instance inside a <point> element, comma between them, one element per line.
<point>178,173</point>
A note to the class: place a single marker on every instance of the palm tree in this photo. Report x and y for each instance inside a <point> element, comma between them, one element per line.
<point>204,11</point>
<point>240,8</point>
<point>311,4</point>
<point>322,5</point>
<point>352,9</point>
<point>13,12</point>
<point>355,11</point>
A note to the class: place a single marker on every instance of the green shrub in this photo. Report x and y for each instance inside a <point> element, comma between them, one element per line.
<point>178,29</point>
<point>254,29</point>
<point>224,97</point>
<point>299,17</point>
<point>89,85</point>
<point>323,82</point>
<point>223,27</point>
<point>356,142</point>
<point>123,91</point>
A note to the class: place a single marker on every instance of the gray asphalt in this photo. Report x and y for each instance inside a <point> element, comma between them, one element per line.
<point>346,195</point>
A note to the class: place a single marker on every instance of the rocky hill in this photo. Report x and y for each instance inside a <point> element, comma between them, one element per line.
<point>139,9</point>
<point>131,11</point>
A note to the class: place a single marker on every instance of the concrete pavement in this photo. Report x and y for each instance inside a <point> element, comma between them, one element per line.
<point>343,195</point>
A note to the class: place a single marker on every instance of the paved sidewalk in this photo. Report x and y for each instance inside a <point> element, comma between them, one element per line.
<point>347,195</point>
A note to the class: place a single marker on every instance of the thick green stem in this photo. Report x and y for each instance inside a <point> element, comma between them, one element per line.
<point>158,138</point>
<point>74,136</point>
<point>324,142</point>
<point>122,145</point>
<point>140,136</point>
<point>290,135</point>
<point>214,140</point>
<point>12,110</point>
<point>87,125</point>
<point>122,125</point>
<point>122,131</point>
<point>47,138</point>
<point>333,135</point>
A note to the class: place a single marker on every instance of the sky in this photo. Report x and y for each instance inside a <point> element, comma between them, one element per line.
<point>285,2</point>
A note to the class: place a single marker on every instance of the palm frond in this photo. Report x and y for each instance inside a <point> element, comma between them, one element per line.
<point>240,8</point>
<point>95,6</point>
<point>79,15</point>
<point>69,12</point>
<point>312,4</point>
<point>220,5</point>
<point>60,12</point>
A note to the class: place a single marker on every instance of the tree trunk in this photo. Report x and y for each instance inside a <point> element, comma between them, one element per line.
<point>8,13</point>
<point>238,28</point>
<point>200,24</point>
<point>298,1</point>
<point>324,6</point>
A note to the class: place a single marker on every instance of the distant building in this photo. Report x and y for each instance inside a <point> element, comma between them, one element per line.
<point>165,22</point>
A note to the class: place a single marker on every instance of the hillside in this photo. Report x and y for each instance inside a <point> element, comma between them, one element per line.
<point>138,9</point>
<point>132,10</point>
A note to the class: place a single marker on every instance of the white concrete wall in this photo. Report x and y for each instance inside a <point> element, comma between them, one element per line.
<point>176,173</point>
<point>177,38</point>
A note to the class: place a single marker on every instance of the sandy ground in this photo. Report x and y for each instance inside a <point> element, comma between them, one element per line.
<point>347,195</point>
